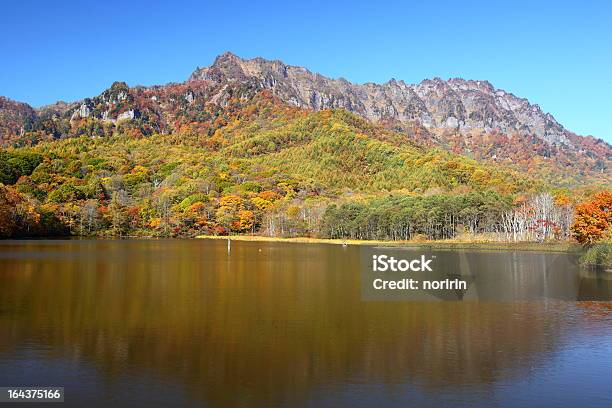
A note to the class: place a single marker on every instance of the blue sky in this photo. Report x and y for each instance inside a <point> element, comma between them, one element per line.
<point>556,54</point>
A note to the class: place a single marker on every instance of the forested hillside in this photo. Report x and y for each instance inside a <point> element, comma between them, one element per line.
<point>265,167</point>
<point>230,151</point>
<point>470,118</point>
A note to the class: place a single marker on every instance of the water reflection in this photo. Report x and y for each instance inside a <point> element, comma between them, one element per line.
<point>268,325</point>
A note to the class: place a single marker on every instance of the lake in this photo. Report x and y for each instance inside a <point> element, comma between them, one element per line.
<point>185,323</point>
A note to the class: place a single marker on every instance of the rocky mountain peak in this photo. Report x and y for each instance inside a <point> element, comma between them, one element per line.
<point>226,66</point>
<point>456,104</point>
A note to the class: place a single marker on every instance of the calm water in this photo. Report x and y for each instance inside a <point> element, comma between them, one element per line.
<point>181,323</point>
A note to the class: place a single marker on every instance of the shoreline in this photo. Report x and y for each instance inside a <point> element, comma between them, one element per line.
<point>566,247</point>
<point>493,246</point>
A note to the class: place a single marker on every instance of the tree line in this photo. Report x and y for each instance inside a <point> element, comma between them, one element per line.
<point>446,216</point>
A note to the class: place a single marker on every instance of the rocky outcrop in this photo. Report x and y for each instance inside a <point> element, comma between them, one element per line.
<point>83,112</point>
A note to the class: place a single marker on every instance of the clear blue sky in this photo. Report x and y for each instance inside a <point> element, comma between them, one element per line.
<point>556,54</point>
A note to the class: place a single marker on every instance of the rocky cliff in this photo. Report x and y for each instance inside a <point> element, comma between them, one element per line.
<point>456,104</point>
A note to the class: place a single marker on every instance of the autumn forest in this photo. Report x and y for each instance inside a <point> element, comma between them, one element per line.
<point>251,164</point>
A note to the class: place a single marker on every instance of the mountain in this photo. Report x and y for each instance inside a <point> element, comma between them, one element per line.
<point>258,165</point>
<point>233,150</point>
<point>455,104</point>
<point>467,117</point>
<point>464,116</point>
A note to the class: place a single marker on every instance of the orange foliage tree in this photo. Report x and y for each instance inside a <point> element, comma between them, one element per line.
<point>593,219</point>
<point>18,216</point>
